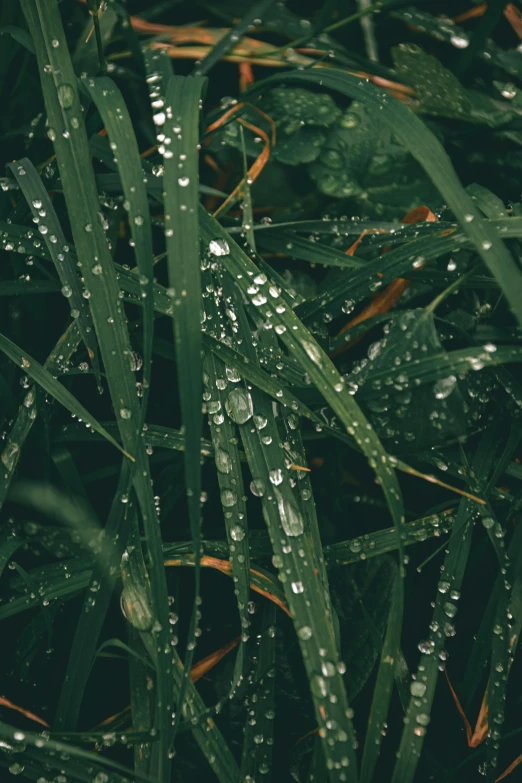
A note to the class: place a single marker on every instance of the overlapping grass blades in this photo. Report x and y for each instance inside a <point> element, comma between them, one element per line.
<point>77,178</point>
<point>32,406</point>
<point>49,227</point>
<point>448,593</point>
<point>304,347</point>
<point>43,377</point>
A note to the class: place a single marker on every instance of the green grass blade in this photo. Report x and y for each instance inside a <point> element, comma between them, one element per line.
<point>49,227</point>
<point>92,616</point>
<point>32,406</point>
<point>230,479</point>
<point>383,688</point>
<point>181,167</point>
<point>115,116</point>
<point>257,746</point>
<point>43,378</point>
<point>136,598</point>
<point>252,18</point>
<point>452,575</point>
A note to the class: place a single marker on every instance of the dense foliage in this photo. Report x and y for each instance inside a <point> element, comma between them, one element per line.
<point>261,404</point>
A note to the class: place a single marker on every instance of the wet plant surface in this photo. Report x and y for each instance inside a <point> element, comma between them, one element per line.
<point>261,398</point>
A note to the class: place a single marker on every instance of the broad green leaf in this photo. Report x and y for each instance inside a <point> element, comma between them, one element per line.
<point>426,148</point>
<point>364,162</point>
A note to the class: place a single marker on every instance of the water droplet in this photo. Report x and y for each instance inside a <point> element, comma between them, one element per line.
<point>313,351</point>
<point>417,689</point>
<point>228,498</point>
<point>219,247</point>
<point>459,41</point>
<point>305,633</point>
<point>183,181</point>
<point>223,460</point>
<point>125,413</point>
<point>276,476</point>
<point>238,405</point>
<point>444,386</point>
<point>65,95</point>
<point>318,686</point>
<point>290,516</point>
<point>237,533</point>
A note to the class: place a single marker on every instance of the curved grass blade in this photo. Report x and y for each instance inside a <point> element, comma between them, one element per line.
<point>77,178</point>
<point>32,405</point>
<point>115,116</point>
<point>253,16</point>
<point>46,750</point>
<point>92,615</point>
<point>49,227</point>
<point>136,602</point>
<point>140,697</point>
<point>43,377</point>
<point>181,172</point>
<point>452,574</point>
<point>426,148</point>
<point>383,688</point>
<point>260,580</point>
<point>256,755</point>
<point>230,479</point>
<point>377,273</point>
<point>382,541</point>
<point>306,250</point>
<point>266,382</point>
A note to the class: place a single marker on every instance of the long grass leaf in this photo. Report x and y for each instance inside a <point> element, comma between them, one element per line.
<point>77,178</point>
<point>383,688</point>
<point>32,406</point>
<point>115,116</point>
<point>252,17</point>
<point>49,227</point>
<point>43,377</point>
<point>181,166</point>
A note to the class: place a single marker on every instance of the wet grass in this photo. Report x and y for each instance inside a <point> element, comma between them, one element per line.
<point>261,397</point>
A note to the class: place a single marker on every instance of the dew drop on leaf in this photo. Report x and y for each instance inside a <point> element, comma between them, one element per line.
<point>218,247</point>
<point>239,406</point>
